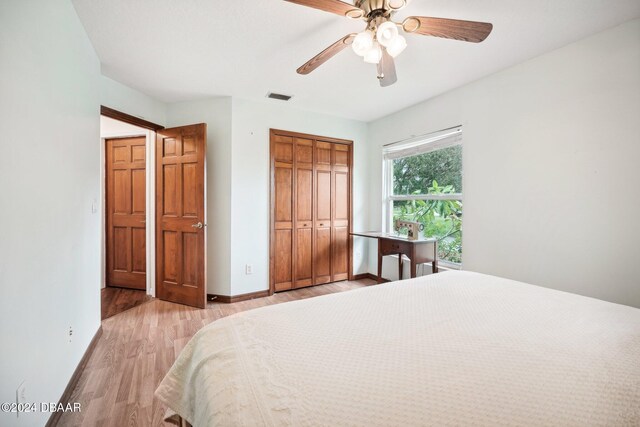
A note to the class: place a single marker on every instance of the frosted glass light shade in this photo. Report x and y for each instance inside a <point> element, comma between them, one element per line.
<point>373,55</point>
<point>387,33</point>
<point>362,43</point>
<point>398,45</point>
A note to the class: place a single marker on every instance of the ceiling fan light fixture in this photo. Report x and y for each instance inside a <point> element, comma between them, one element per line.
<point>354,14</point>
<point>374,54</point>
<point>387,32</point>
<point>382,41</point>
<point>396,4</point>
<point>362,43</point>
<point>398,45</point>
<point>411,24</point>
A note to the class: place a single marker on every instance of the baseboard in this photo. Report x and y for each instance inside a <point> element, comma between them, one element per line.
<point>226,299</point>
<point>365,276</point>
<point>66,396</point>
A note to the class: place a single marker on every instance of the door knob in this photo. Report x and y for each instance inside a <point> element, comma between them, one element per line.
<point>198,225</point>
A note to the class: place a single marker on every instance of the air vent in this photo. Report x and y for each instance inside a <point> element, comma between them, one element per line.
<point>279,96</point>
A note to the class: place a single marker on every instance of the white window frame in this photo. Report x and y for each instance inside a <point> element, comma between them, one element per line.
<point>417,145</point>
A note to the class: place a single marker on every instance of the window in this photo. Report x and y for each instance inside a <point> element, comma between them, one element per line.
<point>423,183</point>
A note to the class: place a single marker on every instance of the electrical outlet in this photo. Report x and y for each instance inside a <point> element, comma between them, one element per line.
<point>70,333</point>
<point>358,255</point>
<point>248,269</point>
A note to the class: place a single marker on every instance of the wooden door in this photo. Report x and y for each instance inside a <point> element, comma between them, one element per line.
<point>126,210</point>
<point>322,218</point>
<point>310,210</point>
<point>341,208</point>
<point>303,215</point>
<point>282,212</point>
<point>180,215</point>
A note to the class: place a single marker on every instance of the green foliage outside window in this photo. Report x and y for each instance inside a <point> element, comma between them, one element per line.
<point>415,174</point>
<point>435,173</point>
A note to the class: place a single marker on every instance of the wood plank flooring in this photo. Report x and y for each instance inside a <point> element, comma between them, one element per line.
<point>137,348</point>
<point>117,300</point>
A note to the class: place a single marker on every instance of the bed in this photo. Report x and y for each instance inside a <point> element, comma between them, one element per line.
<point>456,348</point>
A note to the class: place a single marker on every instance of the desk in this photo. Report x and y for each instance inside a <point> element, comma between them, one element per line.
<point>418,251</point>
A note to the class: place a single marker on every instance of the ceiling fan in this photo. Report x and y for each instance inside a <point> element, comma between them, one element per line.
<point>381,40</point>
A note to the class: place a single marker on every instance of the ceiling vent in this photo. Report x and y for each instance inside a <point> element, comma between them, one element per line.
<point>279,96</point>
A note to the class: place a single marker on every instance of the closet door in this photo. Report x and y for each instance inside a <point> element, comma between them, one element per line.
<point>282,212</point>
<point>310,210</point>
<point>340,180</point>
<point>323,210</point>
<point>303,223</point>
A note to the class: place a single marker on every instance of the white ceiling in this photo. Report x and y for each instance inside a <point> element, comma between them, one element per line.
<point>176,50</point>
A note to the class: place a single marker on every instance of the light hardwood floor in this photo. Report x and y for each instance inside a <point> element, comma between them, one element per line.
<point>117,300</point>
<point>138,347</point>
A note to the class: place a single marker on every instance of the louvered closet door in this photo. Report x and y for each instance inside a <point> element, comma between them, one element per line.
<point>323,210</point>
<point>303,222</point>
<point>282,212</point>
<point>340,216</point>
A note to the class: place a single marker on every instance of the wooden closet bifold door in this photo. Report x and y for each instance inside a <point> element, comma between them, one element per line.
<point>303,215</point>
<point>341,209</point>
<point>281,213</point>
<point>322,219</point>
<point>310,210</point>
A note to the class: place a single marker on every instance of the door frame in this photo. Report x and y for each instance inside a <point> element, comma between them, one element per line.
<point>150,231</point>
<point>272,134</point>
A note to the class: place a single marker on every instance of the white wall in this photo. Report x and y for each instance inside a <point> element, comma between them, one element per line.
<point>123,98</point>
<point>216,113</point>
<point>250,182</point>
<point>50,170</point>
<point>49,178</point>
<point>114,128</point>
<point>551,151</point>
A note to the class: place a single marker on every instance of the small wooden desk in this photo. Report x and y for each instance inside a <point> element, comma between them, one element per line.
<point>418,251</point>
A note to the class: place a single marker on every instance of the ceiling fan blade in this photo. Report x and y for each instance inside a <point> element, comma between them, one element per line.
<point>333,6</point>
<point>326,54</point>
<point>468,31</point>
<point>387,70</point>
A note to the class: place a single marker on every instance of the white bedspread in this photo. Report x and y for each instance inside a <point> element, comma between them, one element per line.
<point>454,348</point>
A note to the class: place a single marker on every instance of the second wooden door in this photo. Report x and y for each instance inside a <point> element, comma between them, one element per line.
<point>126,212</point>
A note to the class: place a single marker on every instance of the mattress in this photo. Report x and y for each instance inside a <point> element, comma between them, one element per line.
<point>455,348</point>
